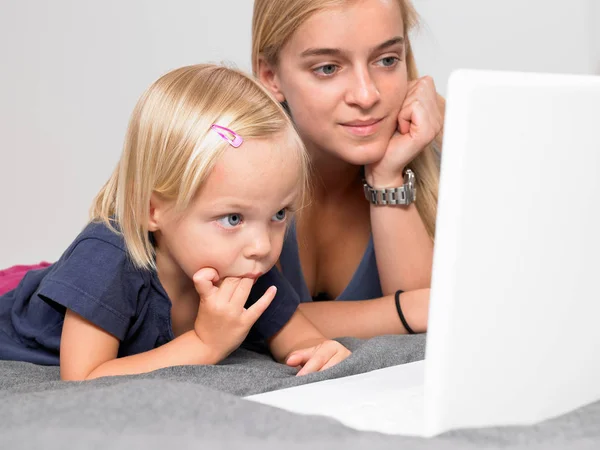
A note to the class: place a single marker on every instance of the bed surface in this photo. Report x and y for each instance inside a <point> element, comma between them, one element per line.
<point>200,407</point>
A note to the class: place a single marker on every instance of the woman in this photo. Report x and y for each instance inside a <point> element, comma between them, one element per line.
<point>345,71</point>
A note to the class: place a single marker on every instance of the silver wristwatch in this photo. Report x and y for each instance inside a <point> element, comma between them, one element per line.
<point>403,195</point>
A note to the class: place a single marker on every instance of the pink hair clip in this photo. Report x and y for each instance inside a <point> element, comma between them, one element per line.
<point>234,139</point>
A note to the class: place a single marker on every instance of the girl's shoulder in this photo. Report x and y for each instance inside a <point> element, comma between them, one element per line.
<point>99,244</point>
<point>96,278</point>
<point>100,231</point>
<point>102,249</point>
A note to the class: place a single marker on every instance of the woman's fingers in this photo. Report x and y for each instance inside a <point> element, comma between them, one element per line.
<point>423,91</point>
<point>413,119</point>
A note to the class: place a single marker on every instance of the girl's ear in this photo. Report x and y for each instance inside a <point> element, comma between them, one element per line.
<point>156,209</point>
<point>267,75</point>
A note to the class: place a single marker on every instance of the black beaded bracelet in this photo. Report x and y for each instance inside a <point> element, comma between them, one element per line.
<point>401,315</point>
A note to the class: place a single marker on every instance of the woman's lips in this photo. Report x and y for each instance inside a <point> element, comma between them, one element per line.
<point>362,127</point>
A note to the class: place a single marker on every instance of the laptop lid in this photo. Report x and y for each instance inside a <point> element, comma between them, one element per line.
<point>515,301</point>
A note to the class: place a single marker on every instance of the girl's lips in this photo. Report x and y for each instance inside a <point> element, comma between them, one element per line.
<point>362,128</point>
<point>254,276</point>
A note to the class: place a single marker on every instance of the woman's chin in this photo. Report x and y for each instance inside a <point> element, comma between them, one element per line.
<point>362,155</point>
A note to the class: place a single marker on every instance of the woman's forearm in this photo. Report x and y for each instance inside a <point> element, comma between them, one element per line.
<point>368,318</point>
<point>403,247</point>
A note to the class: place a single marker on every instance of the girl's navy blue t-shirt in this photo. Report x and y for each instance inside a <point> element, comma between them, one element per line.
<point>96,279</point>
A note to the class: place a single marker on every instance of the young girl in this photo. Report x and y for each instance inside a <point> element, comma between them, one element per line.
<point>345,71</point>
<point>189,225</point>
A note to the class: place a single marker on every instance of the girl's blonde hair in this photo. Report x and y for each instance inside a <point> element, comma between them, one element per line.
<point>273,24</point>
<point>170,148</point>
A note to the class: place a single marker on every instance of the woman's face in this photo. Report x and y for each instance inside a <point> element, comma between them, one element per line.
<point>344,77</point>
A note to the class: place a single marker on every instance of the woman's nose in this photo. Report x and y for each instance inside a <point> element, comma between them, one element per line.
<point>363,92</point>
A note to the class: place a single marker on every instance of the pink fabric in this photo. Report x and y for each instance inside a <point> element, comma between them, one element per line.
<point>9,278</point>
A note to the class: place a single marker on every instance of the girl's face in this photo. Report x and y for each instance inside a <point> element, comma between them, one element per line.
<point>344,77</point>
<point>236,223</point>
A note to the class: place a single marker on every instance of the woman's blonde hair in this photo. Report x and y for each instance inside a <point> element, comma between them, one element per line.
<point>273,24</point>
<point>170,148</point>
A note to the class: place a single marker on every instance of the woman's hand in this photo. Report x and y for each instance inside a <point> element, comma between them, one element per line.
<point>419,121</point>
<point>223,322</point>
<point>318,357</point>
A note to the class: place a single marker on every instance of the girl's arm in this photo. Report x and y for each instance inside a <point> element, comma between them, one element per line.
<point>299,343</point>
<point>222,323</point>
<point>368,318</point>
<point>297,333</point>
<point>87,352</point>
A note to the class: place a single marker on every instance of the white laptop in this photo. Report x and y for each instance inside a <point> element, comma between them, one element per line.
<point>515,302</point>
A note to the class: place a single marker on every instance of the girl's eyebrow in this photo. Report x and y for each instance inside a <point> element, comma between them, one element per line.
<point>230,203</point>
<point>338,52</point>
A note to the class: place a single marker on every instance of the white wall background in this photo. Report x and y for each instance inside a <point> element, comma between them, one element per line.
<point>72,71</point>
<point>525,35</point>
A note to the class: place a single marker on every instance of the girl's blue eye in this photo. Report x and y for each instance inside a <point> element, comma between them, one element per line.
<point>230,220</point>
<point>280,215</point>
<point>327,69</point>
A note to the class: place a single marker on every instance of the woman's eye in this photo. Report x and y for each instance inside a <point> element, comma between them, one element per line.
<point>327,69</point>
<point>230,220</point>
<point>389,61</point>
<point>280,215</point>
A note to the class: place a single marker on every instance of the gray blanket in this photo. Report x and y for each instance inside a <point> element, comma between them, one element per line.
<point>199,407</point>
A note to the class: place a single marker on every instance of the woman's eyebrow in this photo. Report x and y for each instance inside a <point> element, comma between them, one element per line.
<point>321,52</point>
<point>338,52</point>
<point>389,43</point>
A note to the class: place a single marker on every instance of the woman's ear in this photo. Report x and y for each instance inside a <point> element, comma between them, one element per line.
<point>267,74</point>
<point>156,210</point>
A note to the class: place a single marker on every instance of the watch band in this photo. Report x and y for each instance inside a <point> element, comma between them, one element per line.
<point>403,195</point>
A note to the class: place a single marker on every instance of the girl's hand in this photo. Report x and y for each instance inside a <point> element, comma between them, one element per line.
<point>223,322</point>
<point>419,121</point>
<point>318,357</point>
